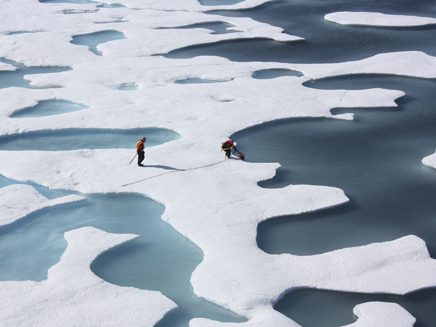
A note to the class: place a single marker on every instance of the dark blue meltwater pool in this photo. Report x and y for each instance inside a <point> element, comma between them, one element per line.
<point>376,160</point>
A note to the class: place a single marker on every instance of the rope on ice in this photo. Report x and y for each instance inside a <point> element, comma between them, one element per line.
<point>174,171</point>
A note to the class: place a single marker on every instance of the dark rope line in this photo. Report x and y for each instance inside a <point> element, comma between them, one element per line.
<point>174,171</point>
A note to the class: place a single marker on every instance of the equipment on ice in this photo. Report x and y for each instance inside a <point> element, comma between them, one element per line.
<point>227,147</point>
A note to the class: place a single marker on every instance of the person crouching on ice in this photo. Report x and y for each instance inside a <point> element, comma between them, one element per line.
<point>227,147</point>
<point>140,151</point>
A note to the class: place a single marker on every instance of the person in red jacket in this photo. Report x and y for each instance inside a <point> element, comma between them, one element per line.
<point>140,151</point>
<point>227,147</point>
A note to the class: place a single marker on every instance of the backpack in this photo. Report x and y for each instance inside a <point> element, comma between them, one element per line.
<point>227,144</point>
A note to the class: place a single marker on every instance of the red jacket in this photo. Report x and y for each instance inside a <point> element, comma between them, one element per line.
<point>227,145</point>
<point>140,145</point>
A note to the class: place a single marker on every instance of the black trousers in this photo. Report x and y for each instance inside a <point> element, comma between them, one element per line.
<point>141,156</point>
<point>229,152</point>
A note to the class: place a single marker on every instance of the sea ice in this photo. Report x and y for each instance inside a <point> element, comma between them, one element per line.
<point>378,19</point>
<point>397,63</point>
<point>216,203</point>
<point>430,160</point>
<point>6,67</point>
<point>73,296</point>
<point>376,314</point>
<point>17,201</point>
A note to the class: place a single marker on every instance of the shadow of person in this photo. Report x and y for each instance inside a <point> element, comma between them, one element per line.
<point>162,167</point>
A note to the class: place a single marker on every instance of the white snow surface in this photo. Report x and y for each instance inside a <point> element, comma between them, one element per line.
<point>73,296</point>
<point>218,207</point>
<point>376,314</point>
<point>430,160</point>
<point>398,63</point>
<point>17,201</point>
<point>378,19</point>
